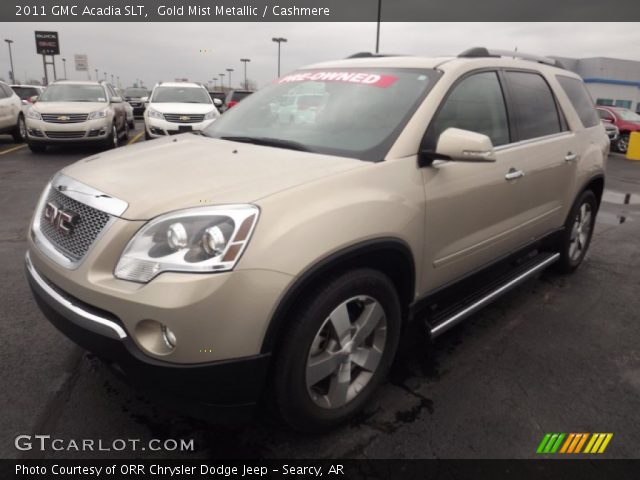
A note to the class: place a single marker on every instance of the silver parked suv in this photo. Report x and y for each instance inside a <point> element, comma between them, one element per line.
<point>277,261</point>
<point>75,112</point>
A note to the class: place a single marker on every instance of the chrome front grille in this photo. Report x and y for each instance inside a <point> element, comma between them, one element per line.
<point>64,117</point>
<point>70,134</point>
<point>89,224</point>
<point>183,118</point>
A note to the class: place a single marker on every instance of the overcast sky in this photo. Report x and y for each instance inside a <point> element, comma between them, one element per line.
<point>165,51</point>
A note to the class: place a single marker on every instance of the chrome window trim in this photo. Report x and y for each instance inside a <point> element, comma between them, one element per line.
<point>533,140</point>
<point>113,329</point>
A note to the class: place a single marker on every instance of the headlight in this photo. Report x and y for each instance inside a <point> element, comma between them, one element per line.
<point>154,113</point>
<point>32,113</point>
<point>201,240</point>
<point>99,114</point>
<point>212,114</point>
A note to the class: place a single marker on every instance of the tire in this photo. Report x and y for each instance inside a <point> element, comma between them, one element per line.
<point>37,147</point>
<point>622,143</point>
<point>578,230</point>
<point>321,381</point>
<point>20,132</point>
<point>132,124</point>
<point>146,135</point>
<point>113,141</point>
<point>125,135</point>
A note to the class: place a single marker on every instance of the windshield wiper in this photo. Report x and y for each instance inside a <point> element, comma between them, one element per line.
<point>270,142</point>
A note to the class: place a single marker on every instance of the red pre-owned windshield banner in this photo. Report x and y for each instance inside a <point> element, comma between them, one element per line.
<point>363,78</point>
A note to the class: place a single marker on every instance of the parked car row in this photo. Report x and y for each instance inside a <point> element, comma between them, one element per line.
<point>625,121</point>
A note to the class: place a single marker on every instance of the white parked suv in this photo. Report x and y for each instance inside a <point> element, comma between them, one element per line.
<point>11,116</point>
<point>177,107</point>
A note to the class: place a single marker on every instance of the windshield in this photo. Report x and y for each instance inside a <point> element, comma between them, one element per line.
<point>73,93</point>
<point>25,93</point>
<point>355,113</point>
<point>136,92</point>
<point>628,115</point>
<point>180,95</point>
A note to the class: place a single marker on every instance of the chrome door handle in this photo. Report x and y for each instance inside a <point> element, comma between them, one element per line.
<point>571,157</point>
<point>514,174</point>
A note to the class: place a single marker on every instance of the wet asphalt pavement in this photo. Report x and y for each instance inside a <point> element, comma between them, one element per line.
<point>558,354</point>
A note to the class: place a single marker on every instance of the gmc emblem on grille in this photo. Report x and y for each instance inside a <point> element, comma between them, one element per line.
<point>62,220</point>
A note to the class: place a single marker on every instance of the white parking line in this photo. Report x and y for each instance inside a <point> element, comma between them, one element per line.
<point>13,149</point>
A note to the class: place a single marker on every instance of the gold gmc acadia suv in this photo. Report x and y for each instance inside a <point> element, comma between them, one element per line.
<point>279,258</point>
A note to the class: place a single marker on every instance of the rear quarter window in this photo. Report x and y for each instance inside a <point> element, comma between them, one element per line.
<point>580,99</point>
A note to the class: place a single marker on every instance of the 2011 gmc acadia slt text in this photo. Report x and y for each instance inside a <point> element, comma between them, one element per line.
<point>279,257</point>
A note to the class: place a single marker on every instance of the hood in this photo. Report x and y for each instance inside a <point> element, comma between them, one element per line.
<point>192,170</point>
<point>69,107</point>
<point>193,108</point>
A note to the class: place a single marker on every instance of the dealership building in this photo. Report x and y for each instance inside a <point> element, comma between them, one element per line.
<point>610,81</point>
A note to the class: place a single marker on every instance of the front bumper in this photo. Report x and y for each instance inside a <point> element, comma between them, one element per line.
<point>202,387</point>
<point>157,128</point>
<point>90,131</point>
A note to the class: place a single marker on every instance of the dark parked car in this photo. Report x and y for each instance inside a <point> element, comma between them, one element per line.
<point>134,96</point>
<point>234,96</point>
<point>626,120</point>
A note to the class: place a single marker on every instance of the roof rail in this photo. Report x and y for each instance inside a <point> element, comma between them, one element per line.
<point>480,52</point>
<point>372,55</point>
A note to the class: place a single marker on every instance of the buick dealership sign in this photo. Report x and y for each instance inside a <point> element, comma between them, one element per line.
<point>47,43</point>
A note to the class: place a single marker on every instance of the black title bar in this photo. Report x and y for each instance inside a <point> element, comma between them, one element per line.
<point>317,10</point>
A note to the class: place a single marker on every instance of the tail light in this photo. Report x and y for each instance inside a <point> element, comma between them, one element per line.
<point>231,103</point>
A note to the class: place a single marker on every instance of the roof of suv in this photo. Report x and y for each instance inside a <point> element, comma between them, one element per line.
<point>180,84</point>
<point>491,59</point>
<point>77,82</point>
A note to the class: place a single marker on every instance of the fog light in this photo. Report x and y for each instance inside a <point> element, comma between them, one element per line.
<point>155,337</point>
<point>169,337</point>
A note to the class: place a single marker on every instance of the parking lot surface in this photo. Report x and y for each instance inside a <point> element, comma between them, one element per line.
<point>558,354</point>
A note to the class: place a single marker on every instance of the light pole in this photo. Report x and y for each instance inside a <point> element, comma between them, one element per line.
<point>221,75</point>
<point>215,81</point>
<point>245,61</point>
<point>64,65</point>
<point>118,81</point>
<point>279,40</point>
<point>105,76</point>
<point>97,75</point>
<point>378,26</point>
<point>229,70</point>
<point>13,74</point>
<point>112,79</point>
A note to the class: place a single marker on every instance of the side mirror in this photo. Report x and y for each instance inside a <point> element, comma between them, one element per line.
<point>144,99</point>
<point>460,146</point>
<point>26,102</point>
<point>217,102</point>
<point>33,99</point>
<point>116,99</point>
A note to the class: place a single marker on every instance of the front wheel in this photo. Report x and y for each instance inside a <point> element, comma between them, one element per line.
<point>622,144</point>
<point>338,349</point>
<point>113,141</point>
<point>578,231</point>
<point>20,132</point>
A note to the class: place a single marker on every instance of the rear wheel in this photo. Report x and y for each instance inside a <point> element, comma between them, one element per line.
<point>338,349</point>
<point>20,133</point>
<point>622,144</point>
<point>578,231</point>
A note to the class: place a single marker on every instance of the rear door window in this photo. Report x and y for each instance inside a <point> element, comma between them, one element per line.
<point>535,109</point>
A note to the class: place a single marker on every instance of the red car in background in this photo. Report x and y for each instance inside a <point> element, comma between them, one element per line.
<point>626,120</point>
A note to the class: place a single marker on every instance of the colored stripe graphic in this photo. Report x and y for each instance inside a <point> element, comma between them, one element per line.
<point>573,443</point>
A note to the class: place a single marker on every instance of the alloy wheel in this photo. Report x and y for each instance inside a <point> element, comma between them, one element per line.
<point>580,232</point>
<point>346,352</point>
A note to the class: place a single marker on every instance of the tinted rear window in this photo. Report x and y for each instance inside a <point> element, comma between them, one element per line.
<point>580,99</point>
<point>25,92</point>
<point>535,107</point>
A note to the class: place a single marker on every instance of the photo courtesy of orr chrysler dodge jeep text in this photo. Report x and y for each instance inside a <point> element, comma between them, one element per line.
<point>277,255</point>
